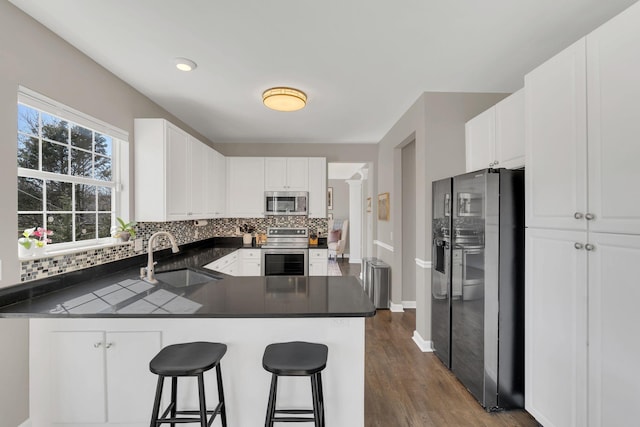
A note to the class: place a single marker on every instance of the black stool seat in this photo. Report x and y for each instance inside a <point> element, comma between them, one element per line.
<point>295,358</point>
<point>190,359</point>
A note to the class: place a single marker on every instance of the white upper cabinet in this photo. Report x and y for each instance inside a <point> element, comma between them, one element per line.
<point>286,174</point>
<point>495,137</point>
<point>317,187</point>
<point>509,142</point>
<point>480,140</point>
<point>245,187</point>
<point>613,88</point>
<point>556,141</point>
<point>216,178</point>
<point>175,178</point>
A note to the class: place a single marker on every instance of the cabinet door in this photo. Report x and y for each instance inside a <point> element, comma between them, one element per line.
<point>509,142</point>
<point>556,327</point>
<point>177,179</point>
<point>245,187</point>
<point>318,262</point>
<point>251,262</point>
<point>614,346</point>
<point>74,356</point>
<point>479,140</point>
<point>196,188</point>
<point>275,174</point>
<point>297,174</point>
<point>317,187</point>
<point>555,141</point>
<point>613,70</point>
<point>219,185</point>
<point>130,384</point>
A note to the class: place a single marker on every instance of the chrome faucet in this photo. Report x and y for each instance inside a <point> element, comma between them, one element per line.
<point>147,273</point>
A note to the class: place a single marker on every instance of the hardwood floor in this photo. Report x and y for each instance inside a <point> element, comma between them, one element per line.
<point>405,387</point>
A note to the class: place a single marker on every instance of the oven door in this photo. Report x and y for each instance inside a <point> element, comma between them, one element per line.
<point>285,262</point>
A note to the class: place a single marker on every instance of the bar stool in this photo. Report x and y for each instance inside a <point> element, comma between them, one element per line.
<point>188,360</point>
<point>293,359</point>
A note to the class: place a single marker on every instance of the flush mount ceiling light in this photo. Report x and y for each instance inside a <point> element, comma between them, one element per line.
<point>284,99</point>
<point>184,64</point>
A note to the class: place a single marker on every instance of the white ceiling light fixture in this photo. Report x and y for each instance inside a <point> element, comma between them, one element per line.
<point>284,99</point>
<point>184,64</point>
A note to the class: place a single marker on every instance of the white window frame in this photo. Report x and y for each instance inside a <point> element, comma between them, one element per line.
<point>119,162</point>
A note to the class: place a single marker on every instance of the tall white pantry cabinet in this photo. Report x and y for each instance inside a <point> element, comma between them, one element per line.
<point>583,230</point>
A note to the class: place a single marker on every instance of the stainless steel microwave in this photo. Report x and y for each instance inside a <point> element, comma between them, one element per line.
<point>286,202</point>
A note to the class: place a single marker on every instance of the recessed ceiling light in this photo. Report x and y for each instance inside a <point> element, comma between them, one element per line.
<point>184,64</point>
<point>284,99</point>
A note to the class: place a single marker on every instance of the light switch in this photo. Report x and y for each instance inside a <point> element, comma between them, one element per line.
<point>137,245</point>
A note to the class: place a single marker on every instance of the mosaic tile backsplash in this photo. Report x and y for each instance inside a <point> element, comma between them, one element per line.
<point>184,231</point>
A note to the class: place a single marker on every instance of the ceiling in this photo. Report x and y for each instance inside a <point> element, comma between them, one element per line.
<point>362,63</point>
<point>343,170</point>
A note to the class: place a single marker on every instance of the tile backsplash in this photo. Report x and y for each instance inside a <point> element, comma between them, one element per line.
<point>184,231</point>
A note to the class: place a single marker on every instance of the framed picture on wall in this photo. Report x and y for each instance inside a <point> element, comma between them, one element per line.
<point>368,204</point>
<point>330,198</point>
<point>383,207</point>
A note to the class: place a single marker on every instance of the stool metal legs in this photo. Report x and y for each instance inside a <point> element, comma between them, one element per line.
<point>170,415</point>
<point>318,404</point>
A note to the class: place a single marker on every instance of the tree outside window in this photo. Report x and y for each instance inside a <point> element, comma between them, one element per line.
<point>65,177</point>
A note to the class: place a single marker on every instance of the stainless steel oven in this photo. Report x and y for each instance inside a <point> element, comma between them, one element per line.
<point>286,252</point>
<point>285,262</point>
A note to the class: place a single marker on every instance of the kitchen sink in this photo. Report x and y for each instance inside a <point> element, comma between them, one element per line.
<point>185,277</point>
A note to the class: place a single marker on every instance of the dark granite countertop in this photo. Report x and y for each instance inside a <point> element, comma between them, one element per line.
<point>115,290</point>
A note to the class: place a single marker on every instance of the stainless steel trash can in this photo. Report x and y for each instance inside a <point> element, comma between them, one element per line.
<point>380,283</point>
<point>366,276</point>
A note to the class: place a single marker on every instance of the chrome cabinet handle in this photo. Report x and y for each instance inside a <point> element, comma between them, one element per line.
<point>109,345</point>
<point>578,245</point>
<point>589,216</point>
<point>589,247</point>
<point>578,215</point>
<point>97,345</point>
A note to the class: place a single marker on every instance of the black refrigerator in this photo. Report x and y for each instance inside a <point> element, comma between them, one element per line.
<point>486,286</point>
<point>441,270</point>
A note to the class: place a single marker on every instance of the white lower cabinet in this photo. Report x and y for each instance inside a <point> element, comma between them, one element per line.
<point>251,260</point>
<point>227,264</point>
<point>581,319</point>
<point>556,327</point>
<point>318,262</point>
<point>614,343</point>
<point>96,377</point>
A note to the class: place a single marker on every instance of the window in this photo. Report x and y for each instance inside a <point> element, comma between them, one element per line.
<point>68,178</point>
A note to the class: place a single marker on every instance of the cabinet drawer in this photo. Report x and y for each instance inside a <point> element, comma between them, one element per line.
<point>318,253</point>
<point>250,253</point>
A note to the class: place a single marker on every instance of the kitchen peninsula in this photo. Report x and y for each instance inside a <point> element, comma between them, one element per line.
<point>91,340</point>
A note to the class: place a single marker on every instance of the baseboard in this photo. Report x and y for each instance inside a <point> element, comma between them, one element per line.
<point>27,423</point>
<point>408,304</point>
<point>424,345</point>
<point>355,261</point>
<point>396,308</point>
